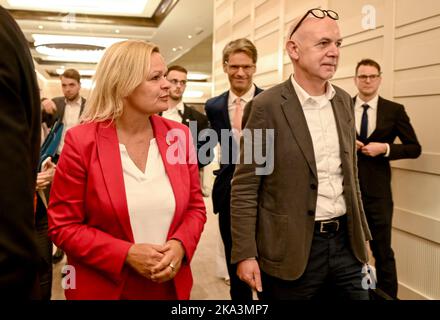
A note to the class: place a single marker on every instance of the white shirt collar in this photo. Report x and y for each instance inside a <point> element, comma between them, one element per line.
<point>372,103</point>
<point>178,107</point>
<point>303,96</point>
<point>249,95</point>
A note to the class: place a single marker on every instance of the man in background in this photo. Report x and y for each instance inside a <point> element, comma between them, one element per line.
<point>225,113</point>
<point>19,154</point>
<point>68,110</point>
<point>378,123</point>
<point>183,113</point>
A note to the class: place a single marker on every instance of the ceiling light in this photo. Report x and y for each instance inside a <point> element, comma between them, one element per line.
<point>115,7</point>
<point>190,36</point>
<point>193,94</point>
<point>117,31</point>
<point>174,49</point>
<point>82,72</point>
<point>197,76</point>
<point>58,54</point>
<point>43,39</point>
<point>40,27</point>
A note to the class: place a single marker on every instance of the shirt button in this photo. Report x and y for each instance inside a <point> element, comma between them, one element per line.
<point>311,213</point>
<point>313,186</point>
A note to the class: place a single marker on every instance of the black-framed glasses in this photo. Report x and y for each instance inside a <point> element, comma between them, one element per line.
<point>235,67</point>
<point>317,13</point>
<point>175,82</point>
<point>372,77</point>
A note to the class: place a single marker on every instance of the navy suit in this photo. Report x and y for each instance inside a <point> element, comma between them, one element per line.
<point>216,109</point>
<point>375,183</point>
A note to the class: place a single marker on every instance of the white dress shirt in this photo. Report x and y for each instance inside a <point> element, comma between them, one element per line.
<point>173,113</point>
<point>150,198</point>
<point>372,117</point>
<point>321,122</point>
<point>70,118</point>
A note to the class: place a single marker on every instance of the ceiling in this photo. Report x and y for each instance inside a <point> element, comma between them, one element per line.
<point>176,26</point>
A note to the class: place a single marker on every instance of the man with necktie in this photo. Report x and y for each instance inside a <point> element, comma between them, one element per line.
<point>378,123</point>
<point>183,113</point>
<point>225,113</point>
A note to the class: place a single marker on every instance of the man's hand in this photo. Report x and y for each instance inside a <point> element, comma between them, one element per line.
<point>249,272</point>
<point>45,177</point>
<point>359,145</point>
<point>374,149</point>
<point>49,106</point>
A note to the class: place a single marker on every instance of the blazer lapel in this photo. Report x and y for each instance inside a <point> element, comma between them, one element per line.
<point>224,111</point>
<point>110,160</point>
<point>380,118</point>
<point>344,122</point>
<point>298,125</point>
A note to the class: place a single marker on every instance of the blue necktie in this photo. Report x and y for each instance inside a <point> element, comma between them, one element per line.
<point>364,123</point>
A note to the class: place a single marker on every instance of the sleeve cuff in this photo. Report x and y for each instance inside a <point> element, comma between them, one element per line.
<point>387,154</point>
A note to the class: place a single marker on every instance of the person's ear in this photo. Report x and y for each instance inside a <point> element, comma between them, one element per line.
<point>292,49</point>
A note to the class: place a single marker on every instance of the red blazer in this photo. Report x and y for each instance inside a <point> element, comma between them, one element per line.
<point>88,215</point>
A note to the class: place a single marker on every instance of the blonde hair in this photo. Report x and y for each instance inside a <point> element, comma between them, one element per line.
<point>122,68</point>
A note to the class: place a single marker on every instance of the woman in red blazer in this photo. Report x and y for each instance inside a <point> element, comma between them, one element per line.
<point>126,204</point>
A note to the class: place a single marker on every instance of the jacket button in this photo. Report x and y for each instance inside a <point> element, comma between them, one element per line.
<point>311,213</point>
<point>313,186</point>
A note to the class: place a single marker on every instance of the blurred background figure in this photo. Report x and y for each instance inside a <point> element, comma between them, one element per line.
<point>66,109</point>
<point>20,134</point>
<point>225,112</point>
<point>181,112</point>
<point>378,123</point>
<point>127,215</point>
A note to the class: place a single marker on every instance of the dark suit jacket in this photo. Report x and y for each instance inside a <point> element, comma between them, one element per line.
<point>273,216</point>
<point>20,143</point>
<point>216,109</point>
<point>191,114</point>
<point>375,172</point>
<point>60,102</point>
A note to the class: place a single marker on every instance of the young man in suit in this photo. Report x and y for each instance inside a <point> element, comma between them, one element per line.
<point>183,113</point>
<point>378,123</point>
<point>301,227</point>
<point>225,113</point>
<point>19,154</point>
<point>68,109</point>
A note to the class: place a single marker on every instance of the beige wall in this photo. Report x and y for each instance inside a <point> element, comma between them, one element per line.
<point>406,42</point>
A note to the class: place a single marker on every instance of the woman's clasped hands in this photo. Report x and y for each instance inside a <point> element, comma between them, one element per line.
<point>158,263</point>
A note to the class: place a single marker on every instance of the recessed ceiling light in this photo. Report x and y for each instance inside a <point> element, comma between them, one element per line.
<point>174,49</point>
<point>193,94</point>
<point>85,6</point>
<point>197,76</point>
<point>190,36</point>
<point>83,72</point>
<point>43,39</point>
<point>40,27</point>
<point>117,31</point>
<point>58,54</point>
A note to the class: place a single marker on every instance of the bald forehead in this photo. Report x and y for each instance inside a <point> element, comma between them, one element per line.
<point>318,28</point>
